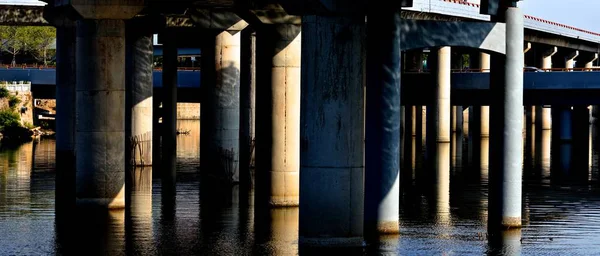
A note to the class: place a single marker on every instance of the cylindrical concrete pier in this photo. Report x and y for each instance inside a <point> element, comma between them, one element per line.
<point>169,107</point>
<point>139,86</point>
<point>65,115</point>
<point>278,114</point>
<point>220,118</point>
<point>247,104</point>
<point>506,158</point>
<point>442,105</point>
<point>382,139</point>
<point>331,131</point>
<point>100,123</point>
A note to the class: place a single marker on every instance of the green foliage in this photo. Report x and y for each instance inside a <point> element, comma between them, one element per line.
<point>9,119</point>
<point>3,92</point>
<point>39,39</point>
<point>13,101</point>
<point>45,125</point>
<point>14,39</point>
<point>28,125</point>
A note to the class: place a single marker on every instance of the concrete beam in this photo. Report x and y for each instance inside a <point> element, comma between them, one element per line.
<point>541,37</point>
<point>91,9</point>
<point>216,19</point>
<point>480,35</point>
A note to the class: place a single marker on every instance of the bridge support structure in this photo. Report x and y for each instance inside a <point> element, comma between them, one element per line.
<point>220,118</point>
<point>169,108</point>
<point>506,158</point>
<point>331,131</point>
<point>139,90</point>
<point>278,114</point>
<point>382,139</point>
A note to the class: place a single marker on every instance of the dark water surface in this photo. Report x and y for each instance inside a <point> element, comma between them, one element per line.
<point>560,218</point>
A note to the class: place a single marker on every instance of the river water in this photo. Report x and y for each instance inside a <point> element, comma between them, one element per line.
<point>560,218</point>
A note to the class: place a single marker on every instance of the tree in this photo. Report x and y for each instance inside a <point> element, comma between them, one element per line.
<point>14,40</point>
<point>39,40</point>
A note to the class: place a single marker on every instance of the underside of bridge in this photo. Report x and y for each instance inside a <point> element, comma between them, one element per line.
<point>298,80</point>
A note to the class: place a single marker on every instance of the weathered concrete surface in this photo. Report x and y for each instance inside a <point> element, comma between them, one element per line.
<point>139,87</point>
<point>506,152</point>
<point>13,15</point>
<point>382,138</point>
<point>100,122</point>
<point>221,106</point>
<point>331,131</point>
<point>278,114</point>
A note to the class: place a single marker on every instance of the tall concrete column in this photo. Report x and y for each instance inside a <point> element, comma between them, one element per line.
<point>382,141</point>
<point>220,118</point>
<point>581,142</point>
<point>138,97</point>
<point>442,101</point>
<point>331,131</point>
<point>100,112</point>
<point>65,114</point>
<point>169,107</point>
<point>278,114</point>
<point>247,103</point>
<point>506,156</point>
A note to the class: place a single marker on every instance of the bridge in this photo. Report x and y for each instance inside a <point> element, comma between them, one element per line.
<point>318,97</point>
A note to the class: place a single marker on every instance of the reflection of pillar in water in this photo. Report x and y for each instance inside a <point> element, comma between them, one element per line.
<point>139,213</point>
<point>581,135</point>
<point>505,242</point>
<point>484,157</point>
<point>442,183</point>
<point>544,152</point>
<point>101,232</point>
<point>561,140</point>
<point>278,228</point>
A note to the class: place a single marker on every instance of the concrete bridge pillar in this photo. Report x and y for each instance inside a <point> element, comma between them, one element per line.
<point>382,141</point>
<point>331,131</point>
<point>439,111</point>
<point>169,106</point>
<point>278,114</point>
<point>100,123</point>
<point>138,98</point>
<point>561,142</point>
<point>581,142</point>
<point>506,156</point>
<point>65,112</point>
<point>247,113</point>
<point>100,100</point>
<point>220,116</point>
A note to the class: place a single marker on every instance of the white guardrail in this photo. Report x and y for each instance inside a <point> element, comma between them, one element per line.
<point>18,87</point>
<point>471,10</point>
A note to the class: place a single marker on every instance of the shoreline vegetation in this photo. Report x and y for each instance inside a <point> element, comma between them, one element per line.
<point>12,128</point>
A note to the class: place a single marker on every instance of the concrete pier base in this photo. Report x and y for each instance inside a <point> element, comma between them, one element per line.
<point>278,115</point>
<point>220,118</point>
<point>331,131</point>
<point>100,123</point>
<point>382,141</point>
